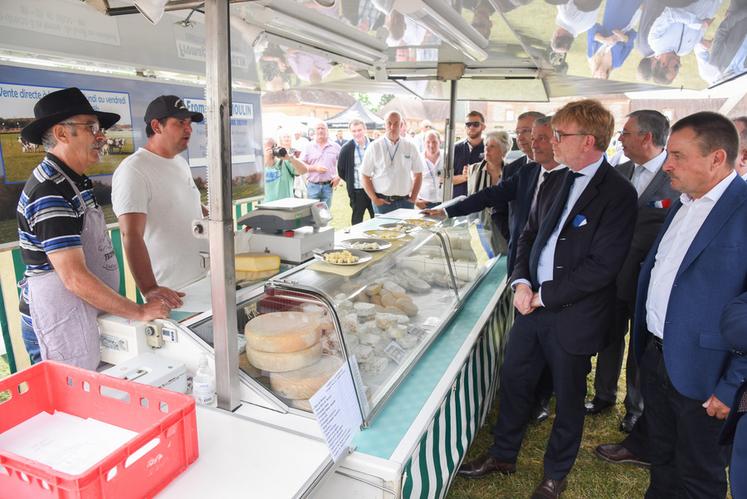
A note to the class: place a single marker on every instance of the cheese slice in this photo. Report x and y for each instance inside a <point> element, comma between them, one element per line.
<point>283,332</point>
<point>257,262</point>
<point>254,275</point>
<point>282,362</point>
<point>305,382</point>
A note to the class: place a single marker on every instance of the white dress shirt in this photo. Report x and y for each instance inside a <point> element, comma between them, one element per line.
<point>672,249</point>
<point>645,173</point>
<point>547,256</point>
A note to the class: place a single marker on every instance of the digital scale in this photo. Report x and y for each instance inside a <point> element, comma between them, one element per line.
<point>291,228</point>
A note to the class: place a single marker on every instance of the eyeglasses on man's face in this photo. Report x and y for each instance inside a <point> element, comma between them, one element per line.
<point>523,131</point>
<point>623,133</point>
<point>473,124</point>
<point>94,128</point>
<point>558,135</point>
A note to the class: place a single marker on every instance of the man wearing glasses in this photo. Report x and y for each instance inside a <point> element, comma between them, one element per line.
<point>71,272</point>
<point>155,199</point>
<point>523,133</point>
<point>568,257</point>
<point>468,151</point>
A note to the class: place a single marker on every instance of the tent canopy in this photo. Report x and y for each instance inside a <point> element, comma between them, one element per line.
<point>343,119</point>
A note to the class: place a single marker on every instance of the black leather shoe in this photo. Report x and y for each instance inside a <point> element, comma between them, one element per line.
<point>541,413</point>
<point>485,465</point>
<point>628,422</point>
<point>549,489</point>
<point>597,406</point>
<point>617,454</point>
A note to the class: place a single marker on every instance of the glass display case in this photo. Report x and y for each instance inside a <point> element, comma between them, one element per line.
<point>379,314</point>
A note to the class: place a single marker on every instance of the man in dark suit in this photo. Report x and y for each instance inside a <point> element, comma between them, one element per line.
<point>348,165</point>
<point>523,132</point>
<point>468,151</point>
<point>519,193</point>
<point>689,372</point>
<point>502,215</point>
<point>643,137</point>
<point>564,282</point>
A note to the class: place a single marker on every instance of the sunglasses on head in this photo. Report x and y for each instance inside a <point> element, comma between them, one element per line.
<point>473,124</point>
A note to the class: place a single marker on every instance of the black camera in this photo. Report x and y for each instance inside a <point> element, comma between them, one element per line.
<point>279,152</point>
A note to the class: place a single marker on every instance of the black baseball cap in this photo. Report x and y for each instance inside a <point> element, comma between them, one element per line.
<point>167,106</point>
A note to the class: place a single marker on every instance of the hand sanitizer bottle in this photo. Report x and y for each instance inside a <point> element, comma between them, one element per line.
<point>203,384</point>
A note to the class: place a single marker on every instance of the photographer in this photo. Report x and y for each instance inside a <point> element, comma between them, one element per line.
<point>281,169</point>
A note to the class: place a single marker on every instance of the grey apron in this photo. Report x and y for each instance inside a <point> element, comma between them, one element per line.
<point>66,325</point>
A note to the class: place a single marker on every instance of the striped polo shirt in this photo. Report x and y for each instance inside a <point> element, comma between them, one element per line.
<point>50,215</point>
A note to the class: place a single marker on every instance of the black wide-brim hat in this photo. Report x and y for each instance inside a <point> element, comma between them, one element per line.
<point>57,106</point>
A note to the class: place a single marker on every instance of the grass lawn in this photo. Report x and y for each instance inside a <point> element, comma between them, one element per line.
<point>591,478</point>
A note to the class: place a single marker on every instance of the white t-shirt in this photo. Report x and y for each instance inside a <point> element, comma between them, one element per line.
<point>391,166</point>
<point>164,190</point>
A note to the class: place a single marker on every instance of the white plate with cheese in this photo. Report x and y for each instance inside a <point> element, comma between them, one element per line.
<point>342,256</point>
<point>366,244</point>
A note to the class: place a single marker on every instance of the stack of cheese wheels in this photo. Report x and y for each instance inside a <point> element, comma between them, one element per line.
<point>302,383</point>
<point>283,341</point>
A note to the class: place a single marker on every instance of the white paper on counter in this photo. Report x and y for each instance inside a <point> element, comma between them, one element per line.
<point>336,408</point>
<point>64,442</point>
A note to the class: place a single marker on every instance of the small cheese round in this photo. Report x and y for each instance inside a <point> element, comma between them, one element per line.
<point>282,362</point>
<point>393,287</point>
<point>282,332</point>
<point>303,383</point>
<point>407,306</point>
<point>303,405</point>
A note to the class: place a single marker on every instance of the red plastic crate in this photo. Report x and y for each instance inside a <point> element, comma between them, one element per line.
<point>152,413</point>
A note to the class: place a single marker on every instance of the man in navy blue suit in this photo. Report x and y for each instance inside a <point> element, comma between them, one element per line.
<point>516,195</point>
<point>734,330</point>
<point>689,372</point>
<point>568,257</point>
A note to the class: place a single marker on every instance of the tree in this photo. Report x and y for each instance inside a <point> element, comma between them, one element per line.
<point>365,101</point>
<point>385,99</point>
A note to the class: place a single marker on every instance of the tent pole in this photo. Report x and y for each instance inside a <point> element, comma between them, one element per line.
<point>449,148</point>
<point>220,224</point>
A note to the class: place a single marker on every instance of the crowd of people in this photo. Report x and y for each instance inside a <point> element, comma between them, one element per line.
<point>652,246</point>
<point>648,246</point>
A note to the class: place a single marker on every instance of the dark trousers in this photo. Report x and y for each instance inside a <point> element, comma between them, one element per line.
<point>686,459</point>
<point>532,345</point>
<point>360,202</point>
<point>609,364</point>
<point>637,440</point>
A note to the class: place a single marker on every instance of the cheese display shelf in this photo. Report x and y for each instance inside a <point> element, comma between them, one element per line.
<point>378,316</point>
<point>434,287</point>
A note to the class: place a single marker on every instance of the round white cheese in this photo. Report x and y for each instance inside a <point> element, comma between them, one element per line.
<point>282,362</point>
<point>283,332</point>
<point>303,383</point>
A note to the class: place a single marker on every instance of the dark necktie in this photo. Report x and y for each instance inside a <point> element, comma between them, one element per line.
<point>537,189</point>
<point>548,224</point>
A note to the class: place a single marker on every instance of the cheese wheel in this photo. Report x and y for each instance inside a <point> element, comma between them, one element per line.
<point>303,405</point>
<point>303,383</point>
<point>282,332</point>
<point>283,362</point>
